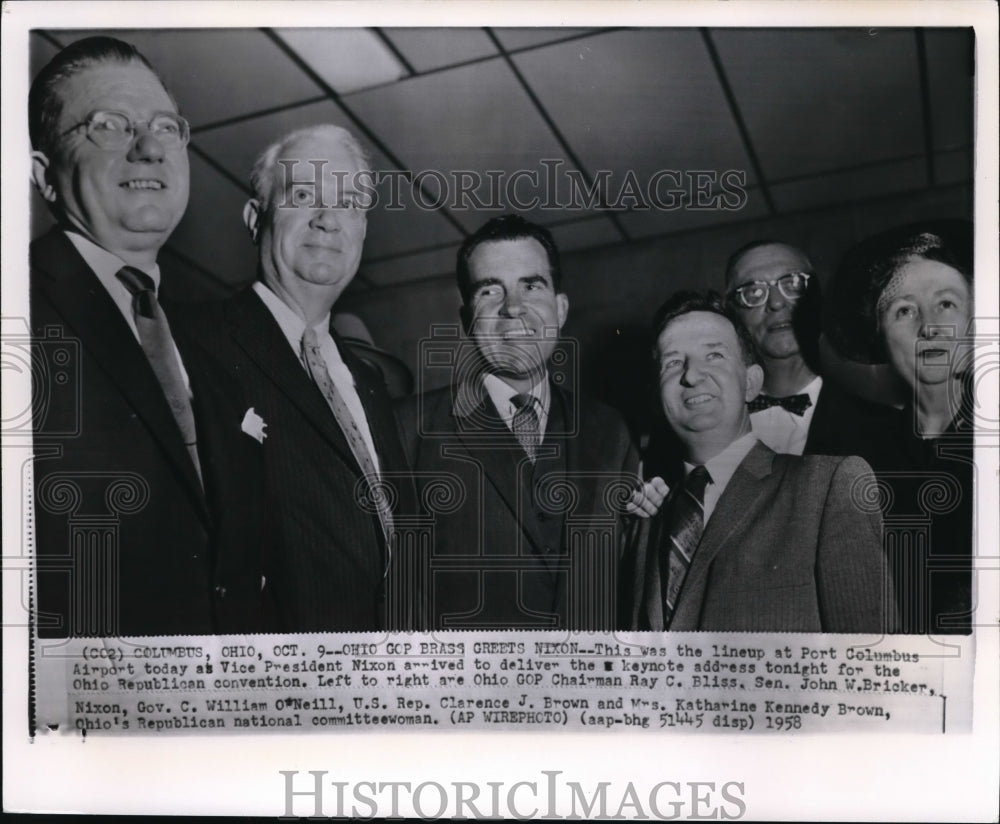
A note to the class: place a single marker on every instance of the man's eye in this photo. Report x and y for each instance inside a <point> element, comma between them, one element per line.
<point>301,197</point>
<point>714,356</point>
<point>904,312</point>
<point>948,304</point>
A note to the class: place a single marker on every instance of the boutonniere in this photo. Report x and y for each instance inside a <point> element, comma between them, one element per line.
<point>253,424</point>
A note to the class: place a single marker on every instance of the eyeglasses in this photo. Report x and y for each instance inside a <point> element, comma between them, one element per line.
<point>116,130</point>
<point>751,295</point>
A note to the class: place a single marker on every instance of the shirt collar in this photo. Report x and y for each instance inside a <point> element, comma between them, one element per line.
<point>812,389</point>
<point>292,325</point>
<point>723,465</point>
<point>501,392</point>
<point>105,264</point>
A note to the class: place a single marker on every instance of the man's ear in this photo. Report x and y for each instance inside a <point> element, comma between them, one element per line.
<point>40,176</point>
<point>562,308</point>
<point>755,380</point>
<point>252,213</point>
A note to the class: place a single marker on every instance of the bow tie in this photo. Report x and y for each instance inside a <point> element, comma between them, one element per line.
<point>796,404</point>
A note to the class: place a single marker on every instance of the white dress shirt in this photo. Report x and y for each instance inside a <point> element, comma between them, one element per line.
<point>106,266</point>
<point>785,431</point>
<point>721,468</point>
<point>501,392</point>
<point>292,326</point>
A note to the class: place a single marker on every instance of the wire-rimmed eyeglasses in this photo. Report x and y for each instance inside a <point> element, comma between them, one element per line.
<point>116,130</point>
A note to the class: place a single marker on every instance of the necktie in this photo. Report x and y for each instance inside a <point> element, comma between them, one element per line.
<point>796,404</point>
<point>687,521</point>
<point>317,368</point>
<point>525,423</point>
<point>158,344</point>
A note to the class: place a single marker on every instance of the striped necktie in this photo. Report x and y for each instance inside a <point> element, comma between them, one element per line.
<point>687,522</point>
<point>524,424</point>
<point>158,344</point>
<point>314,361</point>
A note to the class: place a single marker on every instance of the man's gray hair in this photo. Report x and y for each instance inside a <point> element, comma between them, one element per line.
<point>262,176</point>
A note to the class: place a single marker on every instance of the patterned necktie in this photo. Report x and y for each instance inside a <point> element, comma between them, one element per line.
<point>525,423</point>
<point>313,358</point>
<point>796,404</point>
<point>687,521</point>
<point>158,344</point>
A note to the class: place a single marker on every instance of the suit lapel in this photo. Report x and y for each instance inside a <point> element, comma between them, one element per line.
<point>738,504</point>
<point>257,332</point>
<point>89,311</point>
<point>821,421</point>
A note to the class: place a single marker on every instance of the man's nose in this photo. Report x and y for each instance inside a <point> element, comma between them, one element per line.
<point>325,219</point>
<point>691,373</point>
<point>775,300</point>
<point>512,306</point>
<point>146,147</point>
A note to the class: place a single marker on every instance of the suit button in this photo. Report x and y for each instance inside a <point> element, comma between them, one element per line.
<point>547,549</point>
<point>220,591</point>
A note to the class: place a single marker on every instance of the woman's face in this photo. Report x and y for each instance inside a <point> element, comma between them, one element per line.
<point>924,320</point>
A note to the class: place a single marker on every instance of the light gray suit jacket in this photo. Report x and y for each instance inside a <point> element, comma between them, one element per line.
<point>793,545</point>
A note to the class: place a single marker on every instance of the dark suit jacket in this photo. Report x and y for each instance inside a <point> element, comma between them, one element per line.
<point>787,549</point>
<point>843,424</point>
<point>127,540</point>
<point>498,561</point>
<point>328,570</point>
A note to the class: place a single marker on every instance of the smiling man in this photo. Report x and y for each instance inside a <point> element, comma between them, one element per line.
<point>335,469</point>
<point>532,539</point>
<point>144,495</point>
<point>750,540</point>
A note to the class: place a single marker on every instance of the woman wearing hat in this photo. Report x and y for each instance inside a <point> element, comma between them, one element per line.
<point>904,297</point>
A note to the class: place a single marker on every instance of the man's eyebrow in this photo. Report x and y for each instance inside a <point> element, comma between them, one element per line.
<point>533,279</point>
<point>479,284</point>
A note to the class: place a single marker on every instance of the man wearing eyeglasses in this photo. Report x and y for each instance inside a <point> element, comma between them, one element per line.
<point>774,290</point>
<point>145,489</point>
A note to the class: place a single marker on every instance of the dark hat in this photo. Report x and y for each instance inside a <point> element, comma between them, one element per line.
<point>851,321</point>
<point>356,337</point>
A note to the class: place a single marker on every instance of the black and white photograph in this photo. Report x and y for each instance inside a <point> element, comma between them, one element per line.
<point>604,389</point>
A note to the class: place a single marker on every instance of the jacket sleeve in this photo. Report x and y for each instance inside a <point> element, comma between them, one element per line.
<point>852,577</point>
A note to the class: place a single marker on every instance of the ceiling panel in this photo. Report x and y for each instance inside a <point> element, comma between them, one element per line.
<point>953,167</point>
<point>637,100</point>
<point>212,232</point>
<point>390,232</point>
<point>652,222</point>
<point>856,184</point>
<point>216,74</point>
<point>521,38</point>
<point>347,60</point>
<point>585,234</point>
<point>429,49</point>
<point>815,100</point>
<point>411,267</point>
<point>474,119</point>
<point>950,64</point>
